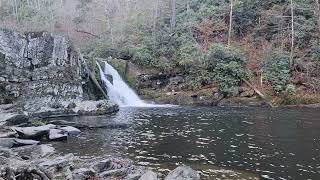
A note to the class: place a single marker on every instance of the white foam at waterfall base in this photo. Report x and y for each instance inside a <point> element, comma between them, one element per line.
<point>118,91</point>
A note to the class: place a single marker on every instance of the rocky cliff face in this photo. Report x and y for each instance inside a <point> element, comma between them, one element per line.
<point>40,69</point>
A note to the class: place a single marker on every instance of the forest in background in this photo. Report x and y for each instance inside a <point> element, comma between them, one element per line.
<point>274,44</point>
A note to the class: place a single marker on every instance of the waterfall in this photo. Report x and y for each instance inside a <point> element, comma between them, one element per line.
<point>118,91</point>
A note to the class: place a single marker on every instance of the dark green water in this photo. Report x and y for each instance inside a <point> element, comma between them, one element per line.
<point>270,143</point>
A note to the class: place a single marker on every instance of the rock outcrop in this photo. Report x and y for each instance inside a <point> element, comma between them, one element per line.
<point>41,71</point>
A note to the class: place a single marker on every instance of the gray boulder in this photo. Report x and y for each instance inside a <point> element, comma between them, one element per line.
<point>149,176</point>
<point>111,164</point>
<point>84,174</point>
<point>33,132</point>
<point>57,135</point>
<point>183,173</point>
<point>71,131</point>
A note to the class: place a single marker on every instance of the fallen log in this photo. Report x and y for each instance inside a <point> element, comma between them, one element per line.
<point>89,33</point>
<point>92,76</point>
<point>260,94</point>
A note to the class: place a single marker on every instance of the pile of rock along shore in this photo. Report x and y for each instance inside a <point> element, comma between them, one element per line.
<point>26,153</point>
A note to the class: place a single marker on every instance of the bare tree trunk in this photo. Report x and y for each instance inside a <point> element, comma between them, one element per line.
<point>109,19</point>
<point>155,17</point>
<point>317,13</point>
<point>16,10</point>
<point>230,22</point>
<point>258,92</point>
<point>111,33</point>
<point>173,14</point>
<point>189,23</point>
<point>38,4</point>
<point>292,36</point>
<point>281,36</point>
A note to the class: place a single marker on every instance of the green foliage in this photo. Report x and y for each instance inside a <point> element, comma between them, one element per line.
<point>291,89</point>
<point>188,53</point>
<point>277,70</point>
<point>143,56</point>
<point>223,65</point>
<point>246,14</point>
<point>39,122</point>
<point>228,76</point>
<point>316,54</point>
<point>198,76</point>
<point>228,66</point>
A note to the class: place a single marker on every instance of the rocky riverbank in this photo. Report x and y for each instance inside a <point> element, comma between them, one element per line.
<point>26,153</point>
<point>40,162</point>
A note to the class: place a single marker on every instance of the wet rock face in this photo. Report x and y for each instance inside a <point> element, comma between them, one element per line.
<point>39,67</point>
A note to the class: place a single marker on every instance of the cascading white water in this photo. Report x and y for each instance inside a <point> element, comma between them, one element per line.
<point>118,91</point>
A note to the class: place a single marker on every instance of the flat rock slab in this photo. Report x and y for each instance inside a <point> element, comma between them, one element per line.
<point>33,132</point>
<point>13,142</point>
<point>57,135</point>
<point>10,119</point>
<point>58,162</point>
<point>34,151</point>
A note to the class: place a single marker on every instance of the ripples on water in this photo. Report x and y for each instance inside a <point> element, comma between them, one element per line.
<point>273,143</point>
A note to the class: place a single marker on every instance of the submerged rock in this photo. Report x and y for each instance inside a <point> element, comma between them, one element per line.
<point>84,125</point>
<point>57,135</point>
<point>71,131</point>
<point>183,173</point>
<point>13,142</point>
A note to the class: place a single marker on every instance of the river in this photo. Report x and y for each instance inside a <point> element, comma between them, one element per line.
<point>277,143</point>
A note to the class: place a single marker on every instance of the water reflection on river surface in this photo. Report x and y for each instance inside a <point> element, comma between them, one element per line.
<point>273,143</point>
